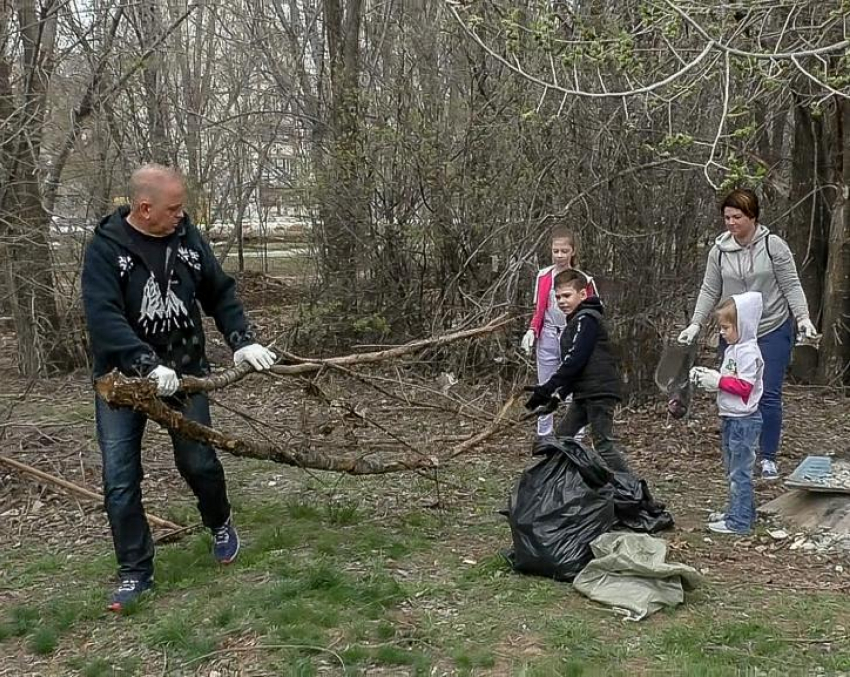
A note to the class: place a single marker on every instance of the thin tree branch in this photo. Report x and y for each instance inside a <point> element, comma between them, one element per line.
<point>516,68</point>
<point>77,490</point>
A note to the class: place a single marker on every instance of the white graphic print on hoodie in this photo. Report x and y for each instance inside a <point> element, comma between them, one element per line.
<point>742,361</point>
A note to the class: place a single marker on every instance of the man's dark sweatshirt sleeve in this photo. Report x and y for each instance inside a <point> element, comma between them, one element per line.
<point>574,357</point>
<point>217,295</point>
<point>109,331</point>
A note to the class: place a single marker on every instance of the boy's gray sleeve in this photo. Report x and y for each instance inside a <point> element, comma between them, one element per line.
<point>787,278</point>
<point>712,288</point>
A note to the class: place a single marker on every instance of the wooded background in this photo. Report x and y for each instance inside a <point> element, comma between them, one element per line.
<point>424,148</point>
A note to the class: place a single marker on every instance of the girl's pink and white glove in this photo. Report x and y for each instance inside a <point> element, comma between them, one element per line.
<point>527,342</point>
<point>259,357</point>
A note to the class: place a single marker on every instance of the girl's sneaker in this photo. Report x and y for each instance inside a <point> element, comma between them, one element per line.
<point>722,528</point>
<point>769,471</point>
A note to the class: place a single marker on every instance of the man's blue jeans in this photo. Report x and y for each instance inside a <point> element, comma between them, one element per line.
<point>740,438</point>
<point>775,349</point>
<point>119,435</point>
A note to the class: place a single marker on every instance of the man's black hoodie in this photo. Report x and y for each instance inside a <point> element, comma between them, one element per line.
<point>135,323</point>
<point>588,366</point>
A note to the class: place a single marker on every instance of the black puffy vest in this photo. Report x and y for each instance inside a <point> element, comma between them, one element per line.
<point>601,375</point>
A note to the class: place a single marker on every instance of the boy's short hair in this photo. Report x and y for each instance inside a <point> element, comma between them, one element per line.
<point>571,278</point>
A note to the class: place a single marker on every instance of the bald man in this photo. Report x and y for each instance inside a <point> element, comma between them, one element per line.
<point>147,274</point>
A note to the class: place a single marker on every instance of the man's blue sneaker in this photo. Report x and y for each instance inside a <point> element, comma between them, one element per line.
<point>225,543</point>
<point>128,591</point>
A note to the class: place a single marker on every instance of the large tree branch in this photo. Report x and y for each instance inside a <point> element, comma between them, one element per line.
<point>191,384</point>
<point>140,395</point>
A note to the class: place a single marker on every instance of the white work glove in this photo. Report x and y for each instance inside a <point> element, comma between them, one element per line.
<point>257,356</point>
<point>688,336</point>
<point>166,379</point>
<point>705,379</point>
<point>807,329</point>
<point>527,342</point>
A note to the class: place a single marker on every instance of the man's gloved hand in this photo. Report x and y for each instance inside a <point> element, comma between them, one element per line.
<point>166,379</point>
<point>257,356</point>
<point>705,379</point>
<point>527,342</point>
<point>807,329</point>
<point>541,402</point>
<point>688,336</point>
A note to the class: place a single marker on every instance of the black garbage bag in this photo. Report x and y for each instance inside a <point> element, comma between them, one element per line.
<point>557,507</point>
<point>635,507</point>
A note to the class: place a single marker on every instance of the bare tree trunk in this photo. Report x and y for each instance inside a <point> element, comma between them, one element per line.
<point>835,347</point>
<point>809,217</point>
<point>23,219</point>
<point>343,206</point>
<point>148,25</point>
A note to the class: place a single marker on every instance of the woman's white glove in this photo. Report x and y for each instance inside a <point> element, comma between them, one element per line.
<point>807,329</point>
<point>527,342</point>
<point>705,379</point>
<point>257,356</point>
<point>166,379</point>
<point>688,336</point>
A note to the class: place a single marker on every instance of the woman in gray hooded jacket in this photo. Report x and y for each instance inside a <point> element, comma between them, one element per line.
<point>748,257</point>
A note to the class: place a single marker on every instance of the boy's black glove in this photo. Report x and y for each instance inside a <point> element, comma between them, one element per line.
<point>541,402</point>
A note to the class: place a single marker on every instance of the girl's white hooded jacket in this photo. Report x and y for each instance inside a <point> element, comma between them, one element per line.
<point>742,360</point>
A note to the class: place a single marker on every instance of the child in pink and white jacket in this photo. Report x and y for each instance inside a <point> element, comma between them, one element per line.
<point>548,321</point>
<point>739,385</point>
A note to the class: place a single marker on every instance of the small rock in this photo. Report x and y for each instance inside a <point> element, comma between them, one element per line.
<point>704,571</point>
<point>761,548</point>
<point>470,561</point>
<point>271,483</point>
<point>778,534</point>
<point>214,673</point>
<point>808,546</point>
<point>707,540</point>
<point>839,568</point>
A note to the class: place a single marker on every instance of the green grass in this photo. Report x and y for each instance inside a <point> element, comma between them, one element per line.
<point>326,583</point>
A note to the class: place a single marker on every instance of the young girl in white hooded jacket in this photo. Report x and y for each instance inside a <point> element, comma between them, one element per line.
<point>739,387</point>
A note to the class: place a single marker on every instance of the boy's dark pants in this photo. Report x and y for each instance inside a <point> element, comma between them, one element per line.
<point>598,413</point>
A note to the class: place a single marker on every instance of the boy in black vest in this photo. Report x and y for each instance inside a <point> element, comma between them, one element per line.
<point>588,371</point>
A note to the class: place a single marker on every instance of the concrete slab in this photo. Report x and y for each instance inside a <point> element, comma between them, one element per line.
<point>811,512</point>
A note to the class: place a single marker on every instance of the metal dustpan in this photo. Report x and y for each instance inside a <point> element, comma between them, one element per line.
<point>672,375</point>
<point>674,367</point>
